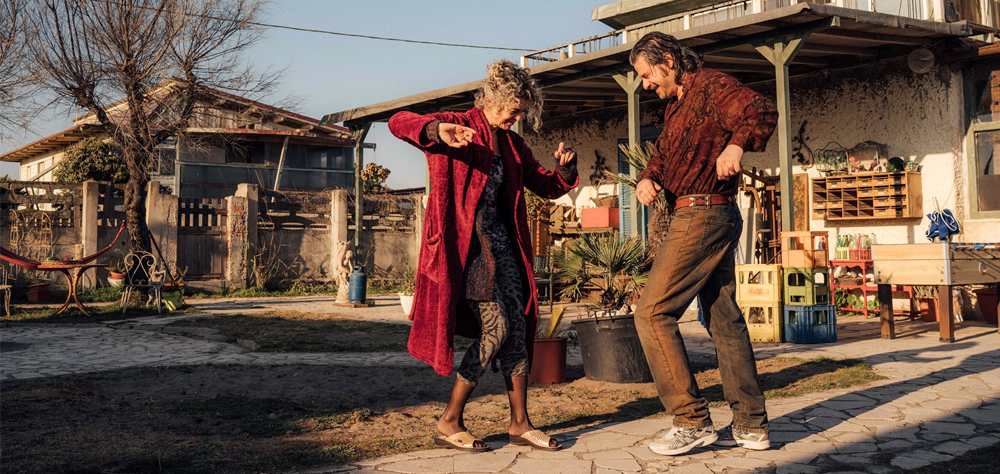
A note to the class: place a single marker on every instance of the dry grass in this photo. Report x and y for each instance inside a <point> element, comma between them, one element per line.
<point>235,419</point>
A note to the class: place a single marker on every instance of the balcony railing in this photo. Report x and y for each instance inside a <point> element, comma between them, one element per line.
<point>985,12</point>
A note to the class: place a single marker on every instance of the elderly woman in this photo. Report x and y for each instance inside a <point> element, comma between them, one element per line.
<point>475,271</point>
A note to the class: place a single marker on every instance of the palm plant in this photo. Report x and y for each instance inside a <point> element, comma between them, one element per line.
<point>571,271</point>
<point>614,264</point>
<point>637,157</point>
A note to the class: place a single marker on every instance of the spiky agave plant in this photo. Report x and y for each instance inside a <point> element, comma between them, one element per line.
<point>615,264</point>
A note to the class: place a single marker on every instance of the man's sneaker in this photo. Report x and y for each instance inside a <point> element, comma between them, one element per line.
<point>681,440</point>
<point>729,436</point>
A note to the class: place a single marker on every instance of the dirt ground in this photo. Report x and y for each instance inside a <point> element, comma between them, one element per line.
<point>220,419</point>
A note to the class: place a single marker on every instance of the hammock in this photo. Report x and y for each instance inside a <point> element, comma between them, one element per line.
<point>33,265</point>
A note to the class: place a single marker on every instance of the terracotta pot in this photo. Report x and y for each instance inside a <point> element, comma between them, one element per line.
<point>548,363</point>
<point>928,309</point>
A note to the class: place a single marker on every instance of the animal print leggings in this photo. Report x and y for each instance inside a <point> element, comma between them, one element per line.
<point>503,327</point>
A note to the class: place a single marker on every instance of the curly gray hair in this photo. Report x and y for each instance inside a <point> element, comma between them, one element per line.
<point>505,84</point>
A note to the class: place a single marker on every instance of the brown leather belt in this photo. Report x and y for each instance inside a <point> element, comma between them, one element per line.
<point>703,200</point>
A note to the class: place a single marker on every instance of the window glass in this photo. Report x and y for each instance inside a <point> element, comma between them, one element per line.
<point>987,177</point>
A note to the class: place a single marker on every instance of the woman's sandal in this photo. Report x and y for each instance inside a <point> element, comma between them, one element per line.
<point>535,439</point>
<point>462,441</point>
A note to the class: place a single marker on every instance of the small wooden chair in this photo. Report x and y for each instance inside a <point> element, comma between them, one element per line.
<point>142,270</point>
<point>5,289</point>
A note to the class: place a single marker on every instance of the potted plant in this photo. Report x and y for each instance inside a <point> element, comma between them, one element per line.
<point>406,289</point>
<point>926,302</point>
<point>116,272</point>
<point>608,339</point>
<point>548,366</point>
<point>172,292</point>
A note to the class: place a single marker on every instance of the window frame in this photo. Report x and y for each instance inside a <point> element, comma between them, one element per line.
<point>974,126</point>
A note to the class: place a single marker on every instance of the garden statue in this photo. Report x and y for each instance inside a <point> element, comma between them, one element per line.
<point>344,262</point>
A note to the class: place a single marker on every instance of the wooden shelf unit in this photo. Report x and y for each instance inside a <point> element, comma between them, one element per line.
<point>896,195</point>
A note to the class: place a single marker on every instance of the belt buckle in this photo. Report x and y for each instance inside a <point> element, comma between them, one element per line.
<point>701,200</point>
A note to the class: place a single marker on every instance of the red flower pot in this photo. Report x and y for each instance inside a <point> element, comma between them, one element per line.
<point>548,363</point>
<point>928,309</point>
<point>987,298</point>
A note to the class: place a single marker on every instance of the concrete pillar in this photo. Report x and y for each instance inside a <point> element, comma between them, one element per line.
<point>338,216</point>
<point>237,270</point>
<point>252,193</point>
<point>161,218</point>
<point>88,230</point>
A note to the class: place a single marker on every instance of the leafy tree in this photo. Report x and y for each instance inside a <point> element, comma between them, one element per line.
<point>139,68</point>
<point>374,177</point>
<point>91,159</point>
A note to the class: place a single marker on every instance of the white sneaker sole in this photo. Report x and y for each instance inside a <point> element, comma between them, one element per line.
<point>662,449</point>
<point>754,445</point>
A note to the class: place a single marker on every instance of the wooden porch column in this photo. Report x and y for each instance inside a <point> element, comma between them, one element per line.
<point>630,81</point>
<point>781,56</point>
<point>359,132</point>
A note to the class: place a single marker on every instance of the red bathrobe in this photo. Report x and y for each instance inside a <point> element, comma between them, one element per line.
<point>458,176</point>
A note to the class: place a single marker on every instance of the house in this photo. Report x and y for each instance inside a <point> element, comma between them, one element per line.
<point>918,81</point>
<point>231,140</point>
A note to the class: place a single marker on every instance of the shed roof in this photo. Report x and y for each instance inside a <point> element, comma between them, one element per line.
<point>86,126</point>
<point>841,38</point>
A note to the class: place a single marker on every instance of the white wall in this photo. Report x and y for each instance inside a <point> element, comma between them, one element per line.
<point>28,169</point>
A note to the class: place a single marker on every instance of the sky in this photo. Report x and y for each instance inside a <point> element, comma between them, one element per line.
<point>323,73</point>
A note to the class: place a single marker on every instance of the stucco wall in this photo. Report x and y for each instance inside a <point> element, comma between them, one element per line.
<point>918,116</point>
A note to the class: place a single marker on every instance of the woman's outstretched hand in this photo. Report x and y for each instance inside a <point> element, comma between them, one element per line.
<point>565,154</point>
<point>455,136</point>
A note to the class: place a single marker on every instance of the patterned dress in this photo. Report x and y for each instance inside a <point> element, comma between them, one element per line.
<point>492,287</point>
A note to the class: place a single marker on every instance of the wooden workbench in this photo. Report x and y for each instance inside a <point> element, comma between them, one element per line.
<point>942,265</point>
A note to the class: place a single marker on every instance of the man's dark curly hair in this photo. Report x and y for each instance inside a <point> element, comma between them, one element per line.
<point>654,45</point>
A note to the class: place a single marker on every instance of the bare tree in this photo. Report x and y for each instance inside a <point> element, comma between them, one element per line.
<point>16,85</point>
<point>140,67</point>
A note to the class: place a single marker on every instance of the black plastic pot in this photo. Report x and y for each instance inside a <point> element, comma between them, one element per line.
<point>611,350</point>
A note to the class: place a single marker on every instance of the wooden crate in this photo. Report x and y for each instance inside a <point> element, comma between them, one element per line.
<point>759,283</point>
<point>805,249</point>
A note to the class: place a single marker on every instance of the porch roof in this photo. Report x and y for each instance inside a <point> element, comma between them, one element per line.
<point>840,38</point>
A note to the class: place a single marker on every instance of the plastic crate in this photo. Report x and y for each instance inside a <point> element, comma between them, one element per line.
<point>810,324</point>
<point>805,249</point>
<point>807,286</point>
<point>761,283</point>
<point>763,320</point>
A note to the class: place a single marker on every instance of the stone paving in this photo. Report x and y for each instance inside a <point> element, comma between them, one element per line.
<point>940,400</point>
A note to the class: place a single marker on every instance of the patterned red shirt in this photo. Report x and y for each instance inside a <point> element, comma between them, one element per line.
<point>714,110</point>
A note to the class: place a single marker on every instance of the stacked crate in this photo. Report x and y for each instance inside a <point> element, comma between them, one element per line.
<point>758,294</point>
<point>809,315</point>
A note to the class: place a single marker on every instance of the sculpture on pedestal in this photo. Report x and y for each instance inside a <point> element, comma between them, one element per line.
<point>344,261</point>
